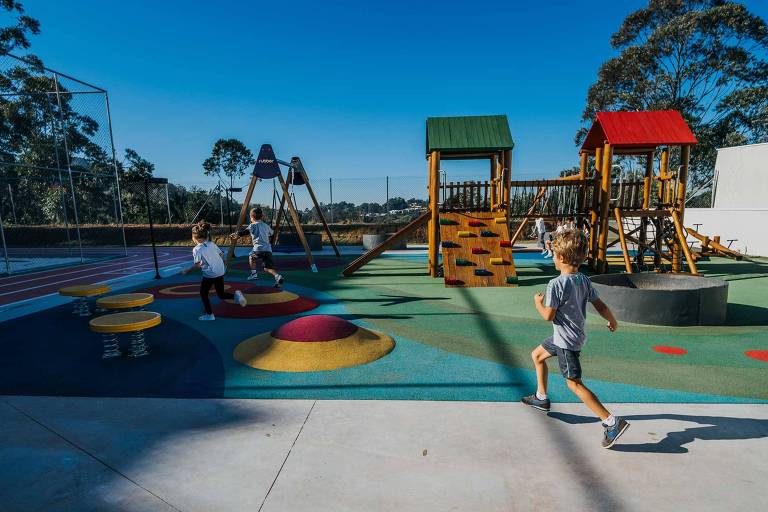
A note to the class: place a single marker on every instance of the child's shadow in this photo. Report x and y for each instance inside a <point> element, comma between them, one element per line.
<point>716,428</point>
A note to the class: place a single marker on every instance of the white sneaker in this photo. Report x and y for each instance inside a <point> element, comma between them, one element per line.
<point>240,298</point>
<point>279,281</point>
<point>206,318</point>
<point>543,251</point>
<point>254,276</point>
<point>548,255</point>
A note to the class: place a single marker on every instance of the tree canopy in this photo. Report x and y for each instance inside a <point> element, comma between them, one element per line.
<point>230,158</point>
<point>705,58</point>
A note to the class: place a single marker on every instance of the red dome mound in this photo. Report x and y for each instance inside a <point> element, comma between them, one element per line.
<point>315,328</point>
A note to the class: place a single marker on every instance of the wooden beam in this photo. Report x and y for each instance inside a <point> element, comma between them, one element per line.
<point>297,223</point>
<point>241,218</point>
<point>405,231</point>
<point>521,227</point>
<point>605,198</point>
<point>494,163</point>
<point>278,221</point>
<point>623,240</point>
<point>682,244</point>
<point>434,208</point>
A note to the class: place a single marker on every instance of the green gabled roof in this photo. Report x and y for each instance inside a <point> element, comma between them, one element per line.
<point>468,134</point>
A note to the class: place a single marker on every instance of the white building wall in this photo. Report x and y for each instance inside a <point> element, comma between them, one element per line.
<point>748,226</point>
<point>741,177</point>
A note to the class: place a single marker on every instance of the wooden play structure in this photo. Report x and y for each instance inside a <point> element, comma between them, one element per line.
<point>464,215</point>
<point>267,167</point>
<point>642,211</point>
<point>644,208</point>
<point>713,247</point>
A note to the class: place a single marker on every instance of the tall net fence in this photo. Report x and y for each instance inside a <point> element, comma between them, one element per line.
<point>59,193</point>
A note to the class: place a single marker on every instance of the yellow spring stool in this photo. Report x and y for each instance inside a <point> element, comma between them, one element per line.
<point>126,301</point>
<point>133,322</point>
<point>83,292</point>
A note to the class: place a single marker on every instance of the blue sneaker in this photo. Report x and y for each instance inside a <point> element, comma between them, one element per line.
<point>612,434</point>
<point>542,405</point>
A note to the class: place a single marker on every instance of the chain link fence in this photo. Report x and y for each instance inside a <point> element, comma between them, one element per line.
<point>59,193</point>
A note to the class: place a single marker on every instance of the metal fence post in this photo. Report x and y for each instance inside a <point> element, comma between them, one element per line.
<point>168,203</point>
<point>69,166</point>
<point>13,206</point>
<point>5,249</point>
<point>151,228</point>
<point>62,194</point>
<point>330,205</point>
<point>117,176</point>
<point>386,205</point>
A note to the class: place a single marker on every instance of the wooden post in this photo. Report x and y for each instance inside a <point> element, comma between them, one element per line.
<point>582,193</point>
<point>241,218</point>
<point>278,221</point>
<point>679,206</point>
<point>605,199</point>
<point>297,223</point>
<point>493,177</point>
<point>507,176</point>
<point>594,210</point>
<point>319,212</point>
<point>647,187</point>
<point>681,242</point>
<point>622,240</point>
<point>434,223</point>
<point>664,178</point>
<point>499,180</point>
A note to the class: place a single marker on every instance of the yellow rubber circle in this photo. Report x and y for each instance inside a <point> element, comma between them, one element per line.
<point>84,290</point>
<point>267,353</point>
<point>260,299</point>
<point>125,300</point>
<point>130,321</point>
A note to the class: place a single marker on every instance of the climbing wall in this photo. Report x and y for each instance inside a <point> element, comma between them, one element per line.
<point>476,250</point>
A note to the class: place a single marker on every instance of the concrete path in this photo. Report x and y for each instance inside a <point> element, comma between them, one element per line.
<point>83,454</point>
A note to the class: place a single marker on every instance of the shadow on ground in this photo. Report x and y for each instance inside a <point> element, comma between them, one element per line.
<point>714,428</point>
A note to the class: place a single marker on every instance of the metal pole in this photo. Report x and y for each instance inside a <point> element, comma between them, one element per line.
<point>117,177</point>
<point>221,208</point>
<point>168,203</point>
<point>13,206</point>
<point>330,206</point>
<point>69,167</point>
<point>5,249</point>
<point>386,207</point>
<point>62,195</point>
<point>151,228</point>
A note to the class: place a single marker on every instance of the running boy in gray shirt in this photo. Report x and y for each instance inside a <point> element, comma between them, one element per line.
<point>565,305</point>
<point>262,248</point>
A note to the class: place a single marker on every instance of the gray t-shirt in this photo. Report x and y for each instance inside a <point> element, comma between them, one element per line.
<point>569,293</point>
<point>260,233</point>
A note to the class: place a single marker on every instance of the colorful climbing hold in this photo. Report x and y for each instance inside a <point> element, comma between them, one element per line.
<point>760,355</point>
<point>505,243</point>
<point>498,261</point>
<point>479,250</point>
<point>500,220</point>
<point>488,233</point>
<point>461,262</point>
<point>483,272</point>
<point>476,223</point>
<point>464,234</point>
<point>447,222</point>
<point>511,279</point>
<point>672,351</point>
<point>449,245</point>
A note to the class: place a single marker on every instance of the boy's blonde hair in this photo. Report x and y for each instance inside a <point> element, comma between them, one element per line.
<point>571,245</point>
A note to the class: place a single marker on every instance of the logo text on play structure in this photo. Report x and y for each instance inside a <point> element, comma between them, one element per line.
<point>266,161</point>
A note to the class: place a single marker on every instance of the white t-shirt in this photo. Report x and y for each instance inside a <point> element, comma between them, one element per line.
<point>540,226</point>
<point>208,256</point>
<point>260,233</point>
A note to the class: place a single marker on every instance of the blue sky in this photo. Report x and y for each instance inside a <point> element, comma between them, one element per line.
<point>345,85</point>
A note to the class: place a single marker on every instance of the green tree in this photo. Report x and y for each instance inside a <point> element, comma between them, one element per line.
<point>16,35</point>
<point>135,167</point>
<point>705,58</point>
<point>230,158</point>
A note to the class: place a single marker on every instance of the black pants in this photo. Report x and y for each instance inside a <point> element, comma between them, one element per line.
<point>205,288</point>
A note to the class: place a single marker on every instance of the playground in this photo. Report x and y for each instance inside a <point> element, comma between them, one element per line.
<point>437,330</point>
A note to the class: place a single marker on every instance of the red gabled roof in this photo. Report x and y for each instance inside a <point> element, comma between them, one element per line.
<point>639,129</point>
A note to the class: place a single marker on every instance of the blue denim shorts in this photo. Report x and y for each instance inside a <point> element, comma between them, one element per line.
<point>570,365</point>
